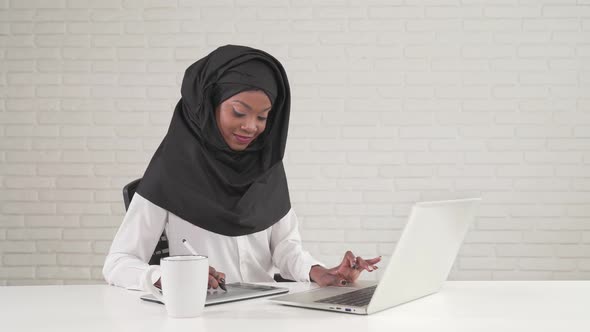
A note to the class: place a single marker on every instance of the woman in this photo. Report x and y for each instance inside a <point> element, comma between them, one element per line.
<point>217,180</point>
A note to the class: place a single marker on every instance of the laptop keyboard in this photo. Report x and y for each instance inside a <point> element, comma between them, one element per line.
<point>357,298</point>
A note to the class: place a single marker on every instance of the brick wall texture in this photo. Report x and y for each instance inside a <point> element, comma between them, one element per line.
<point>393,102</point>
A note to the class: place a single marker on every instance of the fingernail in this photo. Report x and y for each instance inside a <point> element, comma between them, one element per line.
<point>343,282</point>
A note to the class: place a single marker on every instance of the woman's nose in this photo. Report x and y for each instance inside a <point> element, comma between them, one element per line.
<point>249,125</point>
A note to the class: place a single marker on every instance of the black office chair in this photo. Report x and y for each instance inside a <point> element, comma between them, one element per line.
<point>162,248</point>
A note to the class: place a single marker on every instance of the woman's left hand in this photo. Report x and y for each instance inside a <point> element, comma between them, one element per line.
<point>347,272</point>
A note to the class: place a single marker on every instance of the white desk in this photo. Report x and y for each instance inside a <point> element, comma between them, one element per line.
<point>461,306</point>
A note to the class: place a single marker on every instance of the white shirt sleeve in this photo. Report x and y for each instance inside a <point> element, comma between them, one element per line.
<point>134,244</point>
<point>287,252</point>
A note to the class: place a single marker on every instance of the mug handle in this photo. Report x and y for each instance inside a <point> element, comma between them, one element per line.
<point>148,283</point>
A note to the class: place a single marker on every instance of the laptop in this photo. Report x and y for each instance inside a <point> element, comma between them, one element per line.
<point>236,291</point>
<point>420,264</point>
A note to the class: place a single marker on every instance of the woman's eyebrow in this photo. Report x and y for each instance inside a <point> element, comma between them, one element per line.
<point>250,107</point>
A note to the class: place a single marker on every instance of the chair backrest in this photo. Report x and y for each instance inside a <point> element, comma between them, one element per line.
<point>129,191</point>
<point>162,248</point>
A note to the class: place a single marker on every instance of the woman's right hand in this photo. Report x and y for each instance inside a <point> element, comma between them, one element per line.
<point>216,278</point>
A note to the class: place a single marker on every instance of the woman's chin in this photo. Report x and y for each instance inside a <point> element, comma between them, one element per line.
<point>238,147</point>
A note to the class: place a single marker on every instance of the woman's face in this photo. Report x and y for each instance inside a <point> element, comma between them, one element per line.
<point>242,117</point>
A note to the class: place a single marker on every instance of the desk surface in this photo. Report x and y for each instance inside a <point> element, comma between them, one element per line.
<point>459,306</point>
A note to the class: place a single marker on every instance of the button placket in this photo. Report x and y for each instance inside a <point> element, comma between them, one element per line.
<point>242,254</point>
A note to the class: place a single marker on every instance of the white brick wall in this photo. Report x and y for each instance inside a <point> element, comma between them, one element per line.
<point>393,102</point>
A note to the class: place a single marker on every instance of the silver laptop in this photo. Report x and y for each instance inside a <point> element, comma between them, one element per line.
<point>236,291</point>
<point>418,267</point>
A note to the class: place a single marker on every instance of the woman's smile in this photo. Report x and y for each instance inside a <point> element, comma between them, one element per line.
<point>243,139</point>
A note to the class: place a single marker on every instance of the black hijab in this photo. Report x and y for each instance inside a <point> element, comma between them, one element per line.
<point>195,175</point>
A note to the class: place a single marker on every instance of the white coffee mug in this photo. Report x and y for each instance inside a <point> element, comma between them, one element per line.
<point>184,284</point>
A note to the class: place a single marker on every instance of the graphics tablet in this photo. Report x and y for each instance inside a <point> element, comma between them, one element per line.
<point>236,291</point>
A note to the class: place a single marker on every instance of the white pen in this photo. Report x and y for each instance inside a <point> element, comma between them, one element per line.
<point>194,252</point>
<point>189,247</point>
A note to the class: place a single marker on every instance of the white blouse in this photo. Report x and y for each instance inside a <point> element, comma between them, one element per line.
<point>250,257</point>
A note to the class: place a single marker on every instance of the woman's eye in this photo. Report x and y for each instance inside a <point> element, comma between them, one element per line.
<point>238,114</point>
<point>261,118</point>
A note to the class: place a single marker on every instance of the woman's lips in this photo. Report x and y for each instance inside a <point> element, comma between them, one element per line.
<point>243,139</point>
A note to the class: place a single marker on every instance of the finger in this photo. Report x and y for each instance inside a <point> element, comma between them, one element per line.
<point>373,267</point>
<point>373,261</point>
<point>221,279</point>
<point>212,270</point>
<point>347,262</point>
<point>350,257</point>
<point>220,275</point>
<point>363,265</point>
<point>158,283</point>
<point>213,282</point>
